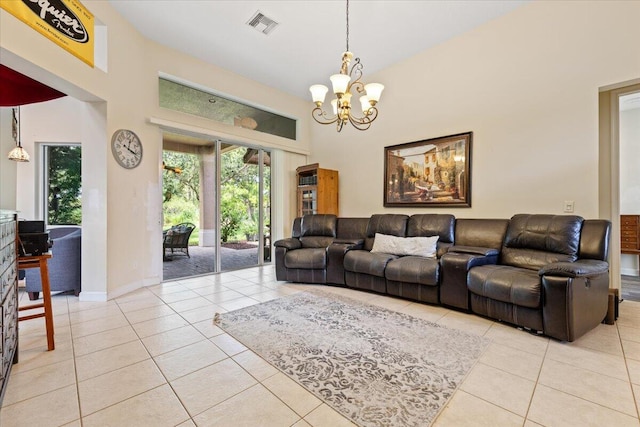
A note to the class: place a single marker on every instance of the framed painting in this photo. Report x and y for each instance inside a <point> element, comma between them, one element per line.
<point>430,173</point>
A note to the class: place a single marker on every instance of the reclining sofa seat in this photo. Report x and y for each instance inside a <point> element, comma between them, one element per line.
<point>416,277</point>
<point>364,269</point>
<point>304,268</point>
<point>303,257</point>
<point>552,276</point>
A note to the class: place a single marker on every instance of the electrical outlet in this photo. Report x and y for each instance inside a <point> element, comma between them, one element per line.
<point>568,206</point>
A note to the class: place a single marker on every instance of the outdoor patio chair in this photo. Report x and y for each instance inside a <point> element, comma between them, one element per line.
<point>176,240</point>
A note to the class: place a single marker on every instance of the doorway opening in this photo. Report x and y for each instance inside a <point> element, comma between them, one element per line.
<point>629,146</point>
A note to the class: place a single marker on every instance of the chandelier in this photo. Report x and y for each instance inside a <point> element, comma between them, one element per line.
<point>346,84</point>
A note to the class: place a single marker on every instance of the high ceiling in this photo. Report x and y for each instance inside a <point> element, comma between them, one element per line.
<point>306,47</point>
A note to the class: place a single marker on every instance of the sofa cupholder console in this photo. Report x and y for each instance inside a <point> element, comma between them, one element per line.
<point>547,273</point>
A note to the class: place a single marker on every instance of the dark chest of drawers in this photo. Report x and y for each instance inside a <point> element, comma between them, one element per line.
<point>8,297</point>
<point>629,238</point>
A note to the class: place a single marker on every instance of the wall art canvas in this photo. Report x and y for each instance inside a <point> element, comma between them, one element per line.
<point>429,173</point>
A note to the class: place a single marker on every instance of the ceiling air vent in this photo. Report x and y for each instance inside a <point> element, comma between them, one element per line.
<point>262,23</point>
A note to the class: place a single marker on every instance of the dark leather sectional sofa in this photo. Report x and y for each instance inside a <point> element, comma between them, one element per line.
<point>545,273</point>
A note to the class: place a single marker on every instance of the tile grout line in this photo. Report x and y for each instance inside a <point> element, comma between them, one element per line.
<point>537,381</point>
<point>635,398</point>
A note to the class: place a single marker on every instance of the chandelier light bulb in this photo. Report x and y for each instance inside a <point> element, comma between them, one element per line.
<point>340,83</point>
<point>365,103</point>
<point>318,93</point>
<point>374,90</point>
<point>334,105</point>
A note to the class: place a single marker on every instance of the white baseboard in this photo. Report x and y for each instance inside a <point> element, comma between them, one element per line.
<point>629,272</point>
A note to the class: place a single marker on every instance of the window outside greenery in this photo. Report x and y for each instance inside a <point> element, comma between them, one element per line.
<point>181,191</point>
<point>239,185</point>
<point>63,184</point>
<point>239,205</point>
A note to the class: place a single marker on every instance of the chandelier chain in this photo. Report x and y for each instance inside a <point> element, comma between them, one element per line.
<point>347,26</point>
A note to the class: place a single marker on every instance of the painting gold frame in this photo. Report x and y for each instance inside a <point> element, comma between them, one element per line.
<point>433,172</point>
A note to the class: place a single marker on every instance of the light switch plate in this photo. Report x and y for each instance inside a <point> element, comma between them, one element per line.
<point>568,206</point>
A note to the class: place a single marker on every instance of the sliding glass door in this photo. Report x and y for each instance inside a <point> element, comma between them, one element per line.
<point>245,199</point>
<point>228,187</point>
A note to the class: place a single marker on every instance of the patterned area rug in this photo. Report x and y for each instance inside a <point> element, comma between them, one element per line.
<point>375,366</point>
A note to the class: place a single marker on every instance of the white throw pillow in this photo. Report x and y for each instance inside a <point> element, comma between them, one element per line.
<point>418,246</point>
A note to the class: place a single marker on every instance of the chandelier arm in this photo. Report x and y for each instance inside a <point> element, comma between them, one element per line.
<point>370,116</point>
<point>360,124</point>
<point>356,70</point>
<point>358,86</point>
<point>320,116</point>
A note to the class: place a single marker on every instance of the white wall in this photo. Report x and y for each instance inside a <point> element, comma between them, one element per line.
<point>48,122</point>
<point>126,222</point>
<point>67,120</point>
<point>526,84</point>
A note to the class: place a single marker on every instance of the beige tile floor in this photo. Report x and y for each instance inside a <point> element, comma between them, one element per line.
<point>154,358</point>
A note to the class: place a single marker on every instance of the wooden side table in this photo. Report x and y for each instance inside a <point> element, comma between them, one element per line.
<point>40,261</point>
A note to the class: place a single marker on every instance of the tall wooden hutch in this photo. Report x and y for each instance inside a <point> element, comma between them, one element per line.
<point>317,190</point>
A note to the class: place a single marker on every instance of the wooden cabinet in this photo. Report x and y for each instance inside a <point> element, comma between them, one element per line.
<point>8,297</point>
<point>317,190</point>
<point>629,237</point>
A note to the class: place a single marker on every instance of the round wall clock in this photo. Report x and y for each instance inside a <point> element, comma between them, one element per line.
<point>126,148</point>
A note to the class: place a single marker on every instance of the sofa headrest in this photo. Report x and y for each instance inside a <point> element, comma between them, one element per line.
<point>427,225</point>
<point>533,241</point>
<point>352,228</point>
<point>392,224</point>
<point>548,233</point>
<point>483,233</point>
<point>318,225</point>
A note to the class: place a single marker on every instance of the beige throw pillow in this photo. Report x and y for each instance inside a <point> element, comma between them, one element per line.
<point>418,246</point>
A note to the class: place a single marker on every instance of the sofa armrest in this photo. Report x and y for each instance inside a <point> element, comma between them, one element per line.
<point>474,250</point>
<point>454,270</point>
<point>335,258</point>
<point>289,244</point>
<point>352,242</point>
<point>281,247</point>
<point>580,268</point>
<point>572,306</point>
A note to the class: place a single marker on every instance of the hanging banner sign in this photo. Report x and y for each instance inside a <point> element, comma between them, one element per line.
<point>66,22</point>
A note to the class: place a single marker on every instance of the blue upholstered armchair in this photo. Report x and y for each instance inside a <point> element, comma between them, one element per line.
<point>64,266</point>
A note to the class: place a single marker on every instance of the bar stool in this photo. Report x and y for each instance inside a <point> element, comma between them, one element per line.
<point>40,261</point>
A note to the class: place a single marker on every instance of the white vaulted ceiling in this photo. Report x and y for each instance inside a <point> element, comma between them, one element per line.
<point>306,46</point>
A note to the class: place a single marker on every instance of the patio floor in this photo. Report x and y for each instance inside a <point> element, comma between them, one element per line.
<point>202,261</point>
